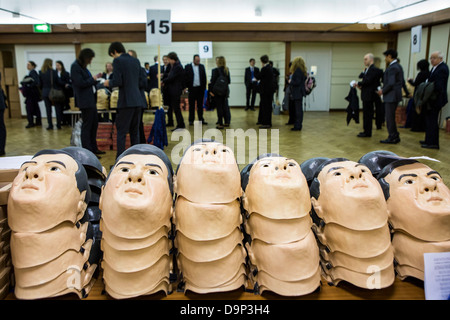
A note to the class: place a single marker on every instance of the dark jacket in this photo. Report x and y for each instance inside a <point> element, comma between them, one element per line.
<point>2,95</point>
<point>143,86</point>
<point>158,133</point>
<point>215,73</point>
<point>297,85</point>
<point>353,105</point>
<point>83,83</point>
<point>189,76</point>
<point>422,76</point>
<point>248,75</point>
<point>128,77</point>
<point>30,86</point>
<point>173,82</point>
<point>440,78</point>
<point>393,81</point>
<point>266,82</point>
<point>370,82</point>
<point>154,75</point>
<point>46,81</point>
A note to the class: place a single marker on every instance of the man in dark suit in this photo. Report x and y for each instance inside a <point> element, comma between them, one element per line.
<point>439,76</point>
<point>392,94</point>
<point>250,80</point>
<point>195,82</point>
<point>127,76</point>
<point>165,69</point>
<point>266,90</point>
<point>154,74</point>
<point>173,83</point>
<point>31,84</point>
<point>369,86</point>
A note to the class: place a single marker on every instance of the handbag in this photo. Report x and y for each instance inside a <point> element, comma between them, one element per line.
<point>56,95</point>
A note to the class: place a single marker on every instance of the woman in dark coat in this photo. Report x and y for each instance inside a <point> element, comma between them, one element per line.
<point>220,100</point>
<point>64,77</point>
<point>418,120</point>
<point>47,75</point>
<point>297,90</point>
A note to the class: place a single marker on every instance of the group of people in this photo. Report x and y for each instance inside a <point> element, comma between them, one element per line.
<point>385,99</point>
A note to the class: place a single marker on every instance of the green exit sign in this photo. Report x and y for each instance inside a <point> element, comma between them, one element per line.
<point>42,28</point>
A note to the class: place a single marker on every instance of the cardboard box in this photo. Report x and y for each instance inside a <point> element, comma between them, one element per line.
<point>10,76</point>
<point>6,59</point>
<point>13,94</point>
<point>6,179</point>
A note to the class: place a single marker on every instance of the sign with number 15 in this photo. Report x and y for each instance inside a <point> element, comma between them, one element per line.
<point>158,27</point>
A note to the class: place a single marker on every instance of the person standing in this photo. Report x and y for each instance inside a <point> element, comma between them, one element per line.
<point>371,80</point>
<point>173,83</point>
<point>153,74</point>
<point>47,77</point>
<point>439,76</point>
<point>392,94</point>
<point>84,92</point>
<point>64,78</point>
<point>220,99</point>
<point>297,90</point>
<point>2,119</point>
<point>127,76</point>
<point>195,82</point>
<point>165,69</point>
<point>266,91</point>
<point>30,85</point>
<point>250,80</point>
<point>418,120</point>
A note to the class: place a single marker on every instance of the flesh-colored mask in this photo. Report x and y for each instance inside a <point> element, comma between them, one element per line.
<point>405,271</point>
<point>287,262</point>
<point>277,189</point>
<point>301,287</point>
<point>350,196</point>
<point>136,200</point>
<point>419,202</point>
<point>79,279</point>
<point>163,286</point>
<point>35,249</point>
<point>137,283</point>
<point>340,259</point>
<point>208,173</point>
<point>209,250</point>
<point>135,260</point>
<point>45,194</point>
<point>376,278</point>
<point>213,273</point>
<point>409,250</point>
<point>119,243</point>
<point>238,281</point>
<point>201,222</point>
<point>359,244</point>
<point>33,276</point>
<point>277,231</point>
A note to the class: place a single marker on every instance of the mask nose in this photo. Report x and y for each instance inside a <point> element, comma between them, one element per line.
<point>33,172</point>
<point>355,173</point>
<point>428,185</point>
<point>135,175</point>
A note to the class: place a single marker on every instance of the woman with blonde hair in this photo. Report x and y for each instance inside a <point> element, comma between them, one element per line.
<point>219,90</point>
<point>297,90</point>
<point>48,76</point>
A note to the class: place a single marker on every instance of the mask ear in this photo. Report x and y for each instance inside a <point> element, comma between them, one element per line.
<point>175,184</point>
<point>100,201</point>
<point>81,205</point>
<point>385,187</point>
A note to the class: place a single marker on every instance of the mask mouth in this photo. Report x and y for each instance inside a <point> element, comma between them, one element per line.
<point>283,175</point>
<point>133,191</point>
<point>30,186</point>
<point>360,185</point>
<point>435,199</point>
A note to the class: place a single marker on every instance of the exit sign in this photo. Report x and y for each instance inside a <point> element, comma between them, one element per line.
<point>42,28</point>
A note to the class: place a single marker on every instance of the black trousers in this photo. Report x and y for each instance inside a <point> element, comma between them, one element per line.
<point>298,120</point>
<point>89,128</point>
<point>250,92</point>
<point>127,122</point>
<point>219,103</point>
<point>32,107</point>
<point>391,125</point>
<point>196,95</point>
<point>175,106</point>
<point>166,100</point>
<point>141,128</point>
<point>432,126</point>
<point>291,112</point>
<point>265,106</point>
<point>58,110</point>
<point>379,112</point>
<point>2,131</point>
<point>368,111</point>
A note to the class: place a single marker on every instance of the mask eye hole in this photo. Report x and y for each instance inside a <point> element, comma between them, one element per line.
<point>291,164</point>
<point>336,174</point>
<point>265,165</point>
<point>153,172</point>
<point>55,169</point>
<point>409,181</point>
<point>124,169</point>
<point>435,178</point>
<point>197,149</point>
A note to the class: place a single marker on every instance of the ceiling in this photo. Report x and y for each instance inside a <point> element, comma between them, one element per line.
<point>186,11</point>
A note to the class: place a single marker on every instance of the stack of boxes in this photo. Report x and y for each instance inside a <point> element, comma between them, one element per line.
<point>10,84</point>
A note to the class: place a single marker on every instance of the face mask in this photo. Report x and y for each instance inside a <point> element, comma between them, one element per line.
<point>277,231</point>
<point>405,271</point>
<point>359,244</point>
<point>200,222</point>
<point>350,196</point>
<point>163,286</point>
<point>209,250</point>
<point>35,249</point>
<point>240,280</point>
<point>419,202</point>
<point>44,273</point>
<point>277,189</point>
<point>208,173</point>
<point>133,284</point>
<point>44,194</point>
<point>136,200</point>
<point>286,262</point>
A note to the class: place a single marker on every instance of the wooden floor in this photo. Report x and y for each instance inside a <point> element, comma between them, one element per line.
<point>324,134</point>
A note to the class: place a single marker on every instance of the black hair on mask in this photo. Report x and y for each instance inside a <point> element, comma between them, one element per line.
<point>377,160</point>
<point>309,168</point>
<point>314,188</point>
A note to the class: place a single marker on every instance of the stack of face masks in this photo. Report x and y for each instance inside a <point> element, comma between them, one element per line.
<point>103,99</point>
<point>113,99</point>
<point>283,253</point>
<point>350,223</point>
<point>211,257</point>
<point>50,246</point>
<point>136,205</point>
